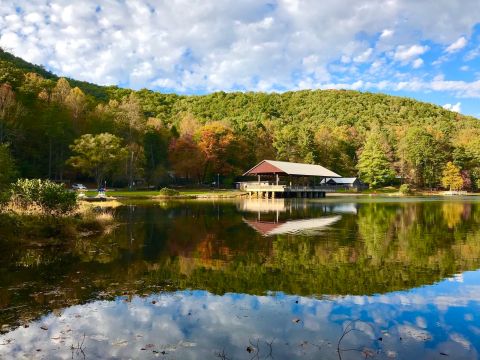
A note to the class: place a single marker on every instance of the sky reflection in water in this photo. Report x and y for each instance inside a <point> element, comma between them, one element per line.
<point>429,322</point>
<point>421,323</point>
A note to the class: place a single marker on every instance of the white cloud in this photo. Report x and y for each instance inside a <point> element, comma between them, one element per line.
<point>453,107</point>
<point>472,54</point>
<point>386,33</point>
<point>364,56</point>
<point>417,63</point>
<point>457,45</point>
<point>405,54</point>
<point>210,45</point>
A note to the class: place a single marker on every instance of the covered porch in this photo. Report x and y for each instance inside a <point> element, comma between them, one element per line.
<point>279,179</point>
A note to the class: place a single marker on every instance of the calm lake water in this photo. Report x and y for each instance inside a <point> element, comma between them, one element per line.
<point>258,279</point>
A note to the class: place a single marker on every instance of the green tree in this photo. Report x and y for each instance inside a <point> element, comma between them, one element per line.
<point>285,142</point>
<point>373,166</point>
<point>131,125</point>
<point>422,155</point>
<point>97,155</point>
<point>7,165</point>
<point>452,177</point>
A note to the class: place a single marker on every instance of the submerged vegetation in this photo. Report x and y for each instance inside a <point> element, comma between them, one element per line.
<point>59,129</point>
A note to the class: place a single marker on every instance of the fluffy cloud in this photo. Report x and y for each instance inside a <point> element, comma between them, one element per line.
<point>417,63</point>
<point>202,46</point>
<point>386,33</point>
<point>457,45</point>
<point>405,54</point>
<point>453,107</point>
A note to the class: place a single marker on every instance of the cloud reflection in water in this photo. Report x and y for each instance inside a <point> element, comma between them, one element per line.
<point>420,323</point>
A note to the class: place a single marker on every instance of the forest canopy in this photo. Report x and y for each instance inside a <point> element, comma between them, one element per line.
<point>169,138</point>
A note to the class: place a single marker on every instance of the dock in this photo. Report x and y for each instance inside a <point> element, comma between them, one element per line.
<point>272,191</point>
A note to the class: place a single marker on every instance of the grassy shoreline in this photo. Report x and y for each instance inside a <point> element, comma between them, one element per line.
<point>234,194</point>
<point>183,194</point>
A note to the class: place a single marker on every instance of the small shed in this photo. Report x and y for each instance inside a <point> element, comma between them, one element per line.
<point>346,183</point>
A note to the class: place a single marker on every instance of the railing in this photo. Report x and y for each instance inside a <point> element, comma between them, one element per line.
<point>266,186</point>
<point>261,187</point>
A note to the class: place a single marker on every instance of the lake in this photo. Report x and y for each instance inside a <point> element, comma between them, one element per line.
<point>334,278</point>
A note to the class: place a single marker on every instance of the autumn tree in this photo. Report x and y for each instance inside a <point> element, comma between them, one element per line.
<point>188,124</point>
<point>61,91</point>
<point>8,110</point>
<point>374,166</point>
<point>97,155</point>
<point>217,143</point>
<point>76,101</point>
<point>186,158</point>
<point>452,177</point>
<point>131,126</point>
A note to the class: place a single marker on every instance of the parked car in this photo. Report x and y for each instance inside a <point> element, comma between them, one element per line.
<point>79,187</point>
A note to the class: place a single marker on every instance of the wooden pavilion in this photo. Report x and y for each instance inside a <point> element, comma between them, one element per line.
<point>287,179</point>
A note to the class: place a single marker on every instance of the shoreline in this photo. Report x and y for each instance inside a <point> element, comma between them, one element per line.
<point>236,194</point>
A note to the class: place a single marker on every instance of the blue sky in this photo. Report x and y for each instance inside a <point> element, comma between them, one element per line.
<point>429,49</point>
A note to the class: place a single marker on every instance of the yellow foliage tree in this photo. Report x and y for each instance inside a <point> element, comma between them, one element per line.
<point>452,179</point>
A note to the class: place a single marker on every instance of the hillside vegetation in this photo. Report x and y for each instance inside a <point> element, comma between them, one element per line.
<point>62,128</point>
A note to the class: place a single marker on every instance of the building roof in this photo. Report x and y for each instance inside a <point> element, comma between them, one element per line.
<point>343,180</point>
<point>290,168</point>
<point>292,226</point>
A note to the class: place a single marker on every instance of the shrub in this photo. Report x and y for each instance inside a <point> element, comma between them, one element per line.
<point>4,198</point>
<point>169,192</point>
<point>405,189</point>
<point>45,195</point>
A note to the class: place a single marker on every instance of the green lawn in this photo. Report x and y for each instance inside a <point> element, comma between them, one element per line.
<point>149,193</point>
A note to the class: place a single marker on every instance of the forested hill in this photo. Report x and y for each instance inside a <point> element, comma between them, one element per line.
<point>377,136</point>
<point>13,68</point>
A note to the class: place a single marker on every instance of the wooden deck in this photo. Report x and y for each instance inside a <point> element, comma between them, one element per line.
<point>271,191</point>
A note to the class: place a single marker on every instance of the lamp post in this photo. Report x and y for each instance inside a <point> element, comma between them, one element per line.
<point>218,180</point>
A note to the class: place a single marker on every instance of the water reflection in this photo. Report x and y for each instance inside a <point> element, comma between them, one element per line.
<point>424,323</point>
<point>333,255</point>
<point>307,226</point>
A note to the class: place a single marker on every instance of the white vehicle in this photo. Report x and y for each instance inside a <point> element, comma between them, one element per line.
<point>79,187</point>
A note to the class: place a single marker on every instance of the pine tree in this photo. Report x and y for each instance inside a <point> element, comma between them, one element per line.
<point>374,167</point>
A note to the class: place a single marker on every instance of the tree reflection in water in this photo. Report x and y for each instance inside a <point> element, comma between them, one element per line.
<point>332,268</point>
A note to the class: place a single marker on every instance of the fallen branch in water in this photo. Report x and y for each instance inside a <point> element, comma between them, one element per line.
<point>348,329</point>
<point>79,349</point>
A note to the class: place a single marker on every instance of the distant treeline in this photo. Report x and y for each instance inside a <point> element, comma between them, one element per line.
<point>65,129</point>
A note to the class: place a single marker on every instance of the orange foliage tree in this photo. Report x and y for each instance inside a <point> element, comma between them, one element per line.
<point>186,158</point>
<point>223,151</point>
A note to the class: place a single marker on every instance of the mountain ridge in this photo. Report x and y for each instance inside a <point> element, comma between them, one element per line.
<point>228,132</point>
